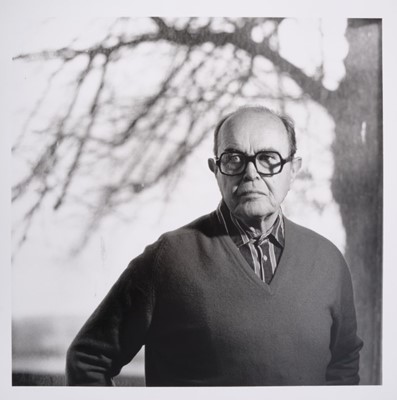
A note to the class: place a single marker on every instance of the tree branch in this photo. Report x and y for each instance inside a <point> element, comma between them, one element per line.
<point>241,38</point>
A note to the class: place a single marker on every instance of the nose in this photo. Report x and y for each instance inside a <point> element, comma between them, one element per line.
<point>250,172</point>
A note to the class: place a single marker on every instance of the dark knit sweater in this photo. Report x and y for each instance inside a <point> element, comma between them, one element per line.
<point>206,319</point>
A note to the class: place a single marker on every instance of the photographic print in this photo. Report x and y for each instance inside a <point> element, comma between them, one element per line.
<point>199,201</point>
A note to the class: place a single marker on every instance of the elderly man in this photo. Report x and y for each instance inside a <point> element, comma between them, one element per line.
<point>242,296</point>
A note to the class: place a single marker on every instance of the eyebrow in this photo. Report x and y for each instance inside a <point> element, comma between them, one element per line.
<point>234,150</point>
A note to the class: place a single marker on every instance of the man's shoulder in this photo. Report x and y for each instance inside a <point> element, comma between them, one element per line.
<point>190,239</point>
<point>180,240</point>
<point>205,225</point>
<point>306,238</point>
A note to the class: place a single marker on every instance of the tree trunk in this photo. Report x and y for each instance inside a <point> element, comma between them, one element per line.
<point>357,181</point>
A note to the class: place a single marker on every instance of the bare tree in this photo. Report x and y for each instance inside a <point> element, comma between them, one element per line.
<point>209,64</point>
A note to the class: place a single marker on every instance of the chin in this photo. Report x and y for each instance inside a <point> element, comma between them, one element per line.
<point>253,210</point>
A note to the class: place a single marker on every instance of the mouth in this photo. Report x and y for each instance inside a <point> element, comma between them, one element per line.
<point>251,193</point>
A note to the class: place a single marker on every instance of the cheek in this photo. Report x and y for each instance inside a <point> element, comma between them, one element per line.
<point>279,188</point>
<point>227,187</point>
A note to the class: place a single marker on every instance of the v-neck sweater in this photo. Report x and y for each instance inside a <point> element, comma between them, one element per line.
<point>206,319</point>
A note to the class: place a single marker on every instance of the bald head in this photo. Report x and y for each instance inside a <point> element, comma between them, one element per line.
<point>243,115</point>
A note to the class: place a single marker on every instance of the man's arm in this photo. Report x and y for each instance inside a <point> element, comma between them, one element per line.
<point>343,368</point>
<point>116,330</point>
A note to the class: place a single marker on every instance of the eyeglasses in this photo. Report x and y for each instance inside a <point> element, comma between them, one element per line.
<point>267,163</point>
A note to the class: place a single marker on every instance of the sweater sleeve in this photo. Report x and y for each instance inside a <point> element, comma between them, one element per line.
<point>345,346</point>
<point>117,329</point>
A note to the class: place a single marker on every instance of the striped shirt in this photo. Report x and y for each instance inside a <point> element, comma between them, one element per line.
<point>261,252</point>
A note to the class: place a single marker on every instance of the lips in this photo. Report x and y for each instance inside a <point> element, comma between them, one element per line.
<point>251,193</point>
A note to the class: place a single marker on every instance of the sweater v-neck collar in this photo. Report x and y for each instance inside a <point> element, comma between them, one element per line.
<point>242,265</point>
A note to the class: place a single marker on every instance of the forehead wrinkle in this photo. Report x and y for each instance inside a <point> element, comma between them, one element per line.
<point>256,120</point>
<point>232,149</point>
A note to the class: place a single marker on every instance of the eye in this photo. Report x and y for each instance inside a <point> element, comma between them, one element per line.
<point>268,158</point>
<point>233,158</point>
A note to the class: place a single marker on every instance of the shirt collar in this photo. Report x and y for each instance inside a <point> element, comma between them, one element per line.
<point>241,236</point>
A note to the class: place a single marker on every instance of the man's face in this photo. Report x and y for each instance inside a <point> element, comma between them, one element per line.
<point>249,196</point>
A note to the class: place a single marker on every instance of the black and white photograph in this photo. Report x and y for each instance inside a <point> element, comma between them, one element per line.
<point>199,202</point>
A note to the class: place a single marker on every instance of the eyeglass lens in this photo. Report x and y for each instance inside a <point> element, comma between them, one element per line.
<point>265,162</point>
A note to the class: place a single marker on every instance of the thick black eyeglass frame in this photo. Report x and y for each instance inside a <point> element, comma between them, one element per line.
<point>252,159</point>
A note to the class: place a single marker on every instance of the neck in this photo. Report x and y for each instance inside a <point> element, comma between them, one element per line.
<point>259,226</point>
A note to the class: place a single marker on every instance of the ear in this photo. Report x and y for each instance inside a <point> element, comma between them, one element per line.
<point>296,165</point>
<point>212,165</point>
